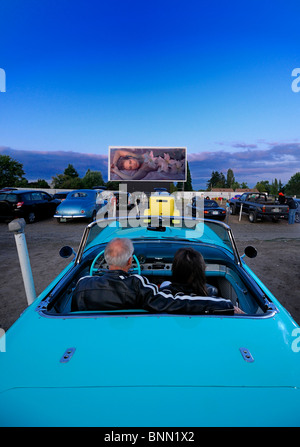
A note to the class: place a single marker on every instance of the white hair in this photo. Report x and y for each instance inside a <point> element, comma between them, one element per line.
<point>118,251</point>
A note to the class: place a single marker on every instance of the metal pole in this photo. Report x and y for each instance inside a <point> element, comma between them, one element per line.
<point>240,216</point>
<point>17,226</point>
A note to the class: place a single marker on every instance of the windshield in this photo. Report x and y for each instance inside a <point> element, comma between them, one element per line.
<point>78,195</point>
<point>208,232</point>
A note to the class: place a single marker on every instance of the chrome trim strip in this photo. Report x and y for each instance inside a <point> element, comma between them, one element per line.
<point>75,216</point>
<point>82,244</point>
<point>98,314</point>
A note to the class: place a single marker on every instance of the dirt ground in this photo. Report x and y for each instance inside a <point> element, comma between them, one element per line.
<point>277,263</point>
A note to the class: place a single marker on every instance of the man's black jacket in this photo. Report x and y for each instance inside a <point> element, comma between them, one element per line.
<point>116,290</point>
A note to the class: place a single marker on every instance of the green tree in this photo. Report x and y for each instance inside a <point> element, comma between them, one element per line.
<point>293,185</point>
<point>70,171</point>
<point>188,183</point>
<point>62,181</point>
<point>263,186</point>
<point>68,180</point>
<point>217,180</point>
<point>280,187</point>
<point>40,183</point>
<point>173,188</point>
<point>186,186</point>
<point>230,180</point>
<point>92,178</point>
<point>11,171</point>
<point>274,189</point>
<point>112,185</point>
<point>235,185</point>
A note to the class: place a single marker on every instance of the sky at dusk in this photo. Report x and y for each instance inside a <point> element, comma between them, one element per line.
<point>214,77</point>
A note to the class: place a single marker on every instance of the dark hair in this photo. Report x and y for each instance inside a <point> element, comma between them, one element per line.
<point>120,162</point>
<point>189,268</point>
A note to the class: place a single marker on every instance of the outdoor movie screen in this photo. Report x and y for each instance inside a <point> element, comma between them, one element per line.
<point>147,164</point>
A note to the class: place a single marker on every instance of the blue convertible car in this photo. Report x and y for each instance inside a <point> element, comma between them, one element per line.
<point>135,368</point>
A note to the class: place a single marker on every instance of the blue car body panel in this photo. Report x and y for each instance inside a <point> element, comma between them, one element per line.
<point>108,374</point>
<point>121,369</point>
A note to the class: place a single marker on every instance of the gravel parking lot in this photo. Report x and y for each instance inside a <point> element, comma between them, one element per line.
<point>277,263</point>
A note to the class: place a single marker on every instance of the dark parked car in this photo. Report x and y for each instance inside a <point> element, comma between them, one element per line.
<point>7,189</point>
<point>259,205</point>
<point>211,209</point>
<point>31,205</point>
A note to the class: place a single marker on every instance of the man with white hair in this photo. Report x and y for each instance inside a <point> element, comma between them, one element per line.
<point>116,289</point>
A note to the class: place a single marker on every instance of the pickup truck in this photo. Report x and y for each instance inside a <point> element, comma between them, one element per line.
<point>259,206</point>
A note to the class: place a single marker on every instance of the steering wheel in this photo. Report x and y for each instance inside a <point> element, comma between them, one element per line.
<point>94,269</point>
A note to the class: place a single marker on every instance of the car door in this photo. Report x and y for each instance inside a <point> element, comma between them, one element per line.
<point>37,204</point>
<point>49,205</point>
<point>240,202</point>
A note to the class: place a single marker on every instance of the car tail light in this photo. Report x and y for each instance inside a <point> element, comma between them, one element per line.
<point>19,204</point>
<point>82,211</point>
<point>264,209</point>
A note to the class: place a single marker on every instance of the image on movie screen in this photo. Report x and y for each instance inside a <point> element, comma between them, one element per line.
<point>147,164</point>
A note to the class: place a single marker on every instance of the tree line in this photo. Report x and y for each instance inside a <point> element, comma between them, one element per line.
<point>218,180</point>
<point>12,174</point>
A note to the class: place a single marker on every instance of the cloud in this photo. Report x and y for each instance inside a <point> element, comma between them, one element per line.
<point>46,164</point>
<point>279,161</point>
<point>244,146</point>
<point>237,145</point>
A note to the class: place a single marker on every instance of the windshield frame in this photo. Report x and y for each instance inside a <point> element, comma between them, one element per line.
<point>188,223</point>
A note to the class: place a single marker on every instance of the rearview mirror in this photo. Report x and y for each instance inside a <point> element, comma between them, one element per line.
<point>250,251</point>
<point>66,251</point>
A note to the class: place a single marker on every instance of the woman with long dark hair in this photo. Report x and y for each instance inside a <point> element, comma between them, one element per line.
<point>188,278</point>
<point>188,270</point>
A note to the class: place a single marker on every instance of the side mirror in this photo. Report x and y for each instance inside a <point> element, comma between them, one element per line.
<point>66,251</point>
<point>250,251</point>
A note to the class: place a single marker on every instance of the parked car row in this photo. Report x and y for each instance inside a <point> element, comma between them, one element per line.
<point>79,204</point>
<point>85,204</point>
